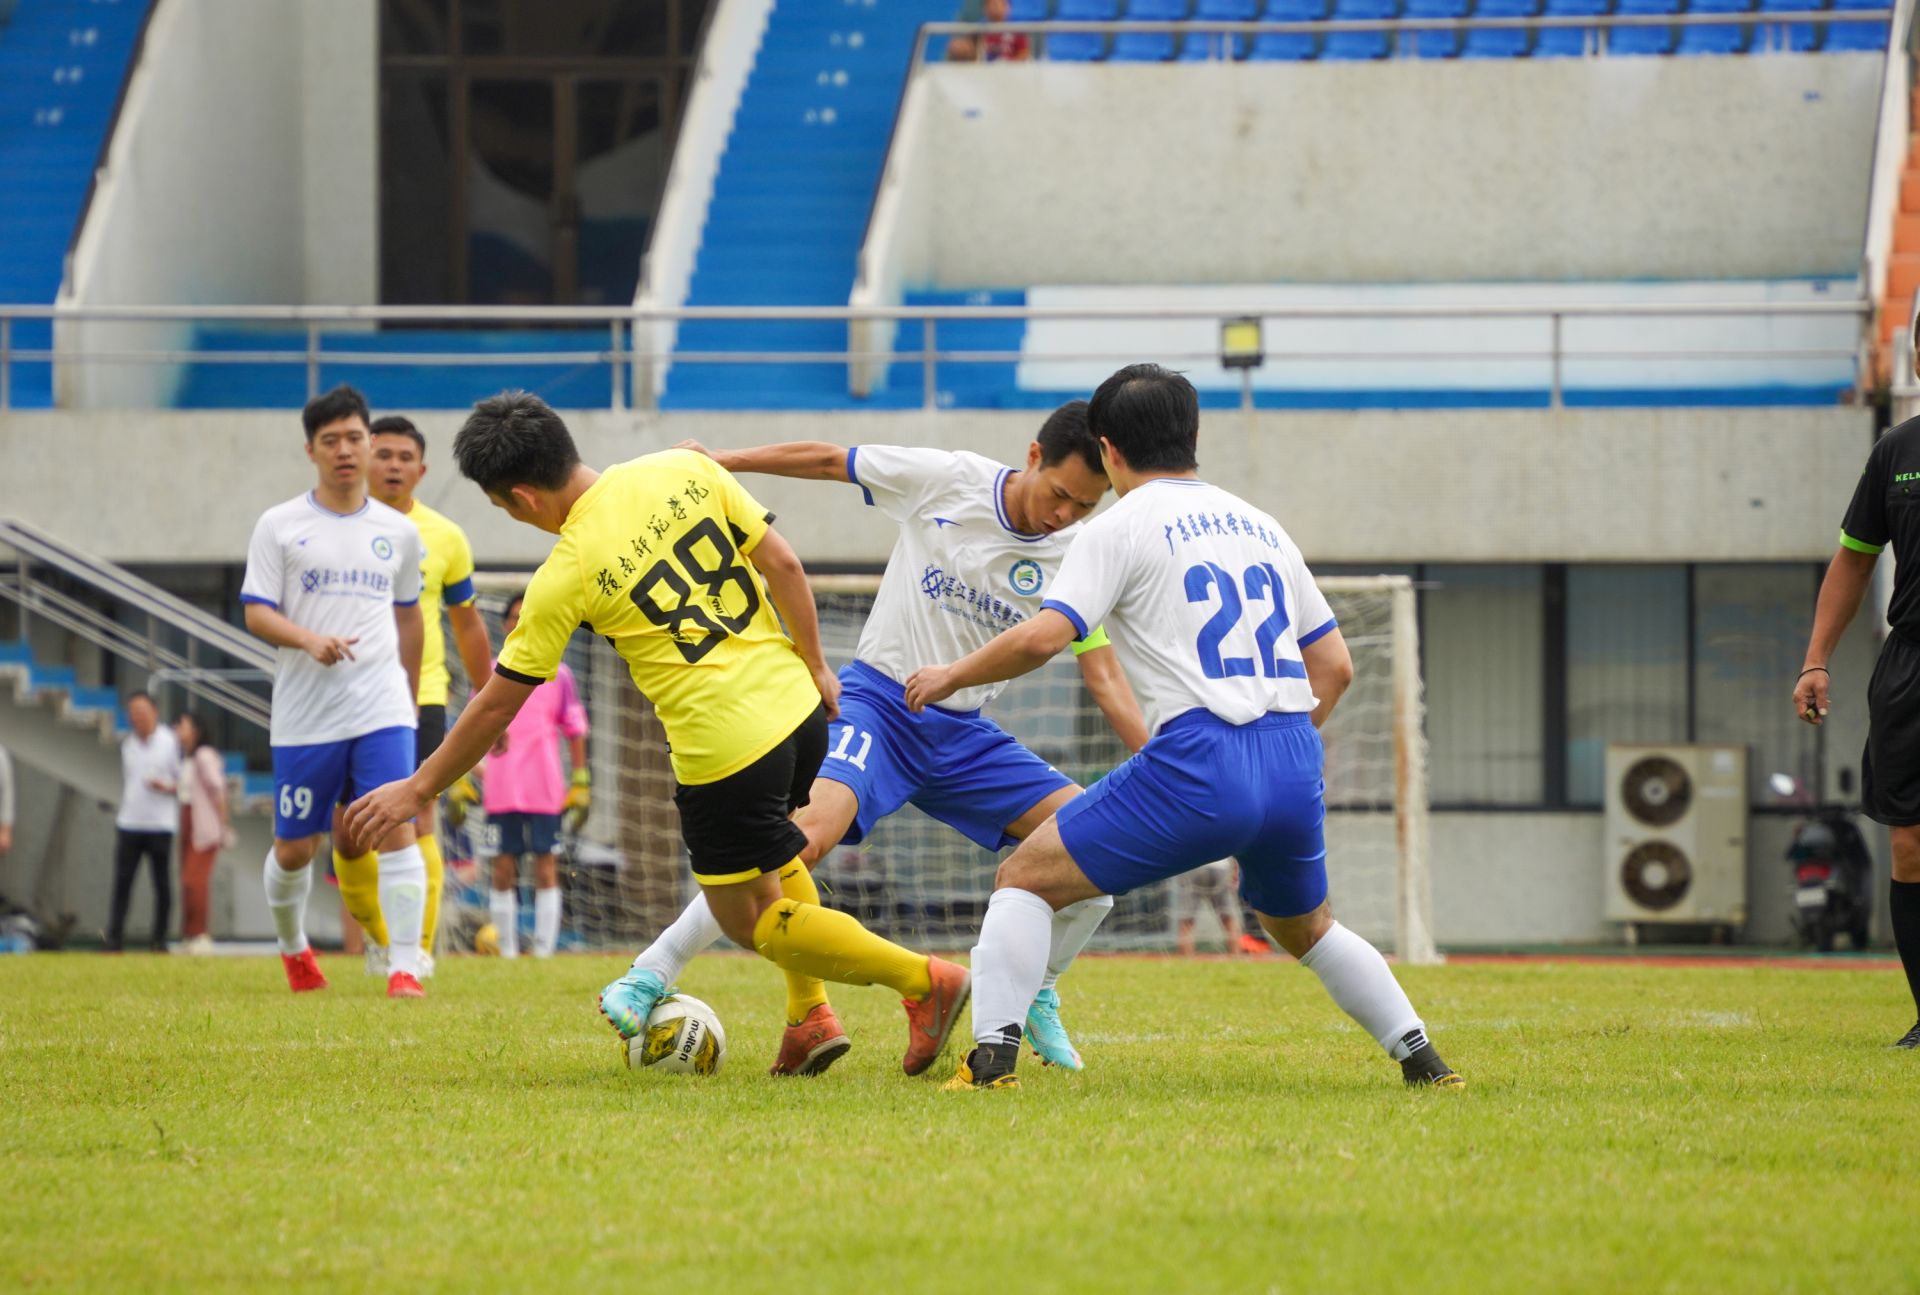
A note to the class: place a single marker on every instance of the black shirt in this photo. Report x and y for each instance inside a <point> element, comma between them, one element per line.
<point>1886,510</point>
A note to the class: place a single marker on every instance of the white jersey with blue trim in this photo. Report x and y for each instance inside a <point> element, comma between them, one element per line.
<point>338,575</point>
<point>959,572</point>
<point>1207,599</point>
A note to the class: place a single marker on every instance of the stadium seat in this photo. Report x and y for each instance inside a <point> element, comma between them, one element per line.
<point>1565,42</point>
<point>1432,44</point>
<point>1436,8</point>
<point>1645,8</point>
<point>1296,10</point>
<point>1226,10</point>
<point>1727,39</point>
<point>1848,36</point>
<point>1029,10</point>
<point>1507,9</point>
<point>1496,42</point>
<point>1347,46</point>
<point>1283,47</point>
<point>1640,40</point>
<point>1577,8</point>
<point>1081,47</point>
<point>1799,37</point>
<point>1148,47</point>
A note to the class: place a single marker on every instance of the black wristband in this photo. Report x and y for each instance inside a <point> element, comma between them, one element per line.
<point>1810,669</point>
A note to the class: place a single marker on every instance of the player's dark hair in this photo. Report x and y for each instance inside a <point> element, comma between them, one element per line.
<point>1151,415</point>
<point>1066,432</point>
<point>342,402</point>
<point>399,425</point>
<point>140,694</point>
<point>515,439</point>
<point>200,737</point>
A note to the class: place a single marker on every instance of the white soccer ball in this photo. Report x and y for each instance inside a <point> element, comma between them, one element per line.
<point>682,1035</point>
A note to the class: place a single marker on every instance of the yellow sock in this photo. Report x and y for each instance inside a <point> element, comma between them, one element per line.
<point>360,892</point>
<point>436,882</point>
<point>815,941</point>
<point>804,993</point>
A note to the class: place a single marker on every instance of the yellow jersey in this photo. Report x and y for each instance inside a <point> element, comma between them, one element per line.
<point>446,579</point>
<point>653,558</point>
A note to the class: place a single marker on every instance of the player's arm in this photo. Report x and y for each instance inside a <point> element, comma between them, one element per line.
<point>1021,650</point>
<point>1841,592</point>
<point>1329,672</point>
<point>470,640</point>
<point>412,628</point>
<point>805,460</point>
<point>1100,670</point>
<point>272,625</point>
<point>483,720</point>
<point>792,597</point>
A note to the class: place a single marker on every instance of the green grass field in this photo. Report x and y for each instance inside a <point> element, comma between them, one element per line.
<point>177,1123</point>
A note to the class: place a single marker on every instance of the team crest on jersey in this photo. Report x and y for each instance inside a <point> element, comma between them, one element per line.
<point>382,547</point>
<point>1026,577</point>
<point>932,580</point>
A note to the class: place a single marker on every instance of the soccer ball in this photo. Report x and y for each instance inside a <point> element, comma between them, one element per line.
<point>682,1035</point>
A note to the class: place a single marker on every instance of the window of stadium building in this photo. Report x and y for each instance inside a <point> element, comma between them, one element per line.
<point>525,145</point>
<point>1531,670</point>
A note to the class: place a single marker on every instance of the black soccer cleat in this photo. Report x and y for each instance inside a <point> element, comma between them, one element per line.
<point>1911,1039</point>
<point>1423,1067</point>
<point>989,1065</point>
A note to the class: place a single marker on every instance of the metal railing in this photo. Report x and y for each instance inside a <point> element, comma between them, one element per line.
<point>147,638</point>
<point>621,355</point>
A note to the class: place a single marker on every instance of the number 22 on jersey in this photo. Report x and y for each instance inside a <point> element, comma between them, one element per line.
<point>1206,581</point>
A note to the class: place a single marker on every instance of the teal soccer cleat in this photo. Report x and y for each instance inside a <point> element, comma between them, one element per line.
<point>630,1000</point>
<point>1046,1036</point>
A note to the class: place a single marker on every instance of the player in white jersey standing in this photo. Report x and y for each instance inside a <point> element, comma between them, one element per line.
<point>333,582</point>
<point>1238,661</point>
<point>978,547</point>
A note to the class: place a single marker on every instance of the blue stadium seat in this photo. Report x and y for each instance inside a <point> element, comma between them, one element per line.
<point>1507,9</point>
<point>1856,36</point>
<point>1433,44</point>
<point>1081,47</point>
<point>1226,10</point>
<point>1729,39</point>
<point>1296,10</point>
<point>1350,46</point>
<point>1029,10</point>
<point>1496,42</point>
<point>1436,8</point>
<point>1577,8</point>
<point>1283,47</point>
<point>1800,37</point>
<point>1201,47</point>
<point>1640,40</point>
<point>1720,6</point>
<point>1148,47</point>
<point>1648,7</point>
<point>1564,42</point>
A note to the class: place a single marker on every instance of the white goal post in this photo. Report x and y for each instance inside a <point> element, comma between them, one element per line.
<point>924,884</point>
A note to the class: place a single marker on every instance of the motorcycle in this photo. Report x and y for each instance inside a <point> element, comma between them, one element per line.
<point>1831,866</point>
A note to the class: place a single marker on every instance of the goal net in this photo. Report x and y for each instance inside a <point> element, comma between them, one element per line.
<point>923,884</point>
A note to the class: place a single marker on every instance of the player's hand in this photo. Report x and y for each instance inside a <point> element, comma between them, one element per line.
<point>461,798</point>
<point>381,810</point>
<point>1810,696</point>
<point>829,685</point>
<point>929,686</point>
<point>696,447</point>
<point>579,802</point>
<point>329,648</point>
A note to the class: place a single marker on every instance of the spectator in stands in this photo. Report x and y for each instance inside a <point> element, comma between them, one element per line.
<point>149,810</point>
<point>1212,885</point>
<point>989,46</point>
<point>6,781</point>
<point>205,826</point>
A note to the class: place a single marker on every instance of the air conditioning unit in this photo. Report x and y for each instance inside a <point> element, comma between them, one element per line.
<point>1676,843</point>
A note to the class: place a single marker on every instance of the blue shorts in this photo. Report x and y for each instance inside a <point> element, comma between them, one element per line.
<point>516,834</point>
<point>956,766</point>
<point>308,781</point>
<point>1204,789</point>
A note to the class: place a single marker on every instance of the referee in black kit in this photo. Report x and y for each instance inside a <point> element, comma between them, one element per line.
<point>1885,511</point>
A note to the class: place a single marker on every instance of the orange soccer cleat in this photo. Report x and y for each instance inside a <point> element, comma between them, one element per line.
<point>931,1020</point>
<point>303,973</point>
<point>811,1046</point>
<point>402,985</point>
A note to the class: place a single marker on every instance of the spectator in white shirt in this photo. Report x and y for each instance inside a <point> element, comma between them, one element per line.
<point>149,812</point>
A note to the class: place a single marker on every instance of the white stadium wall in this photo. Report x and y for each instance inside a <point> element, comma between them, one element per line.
<point>1604,169</point>
<point>243,171</point>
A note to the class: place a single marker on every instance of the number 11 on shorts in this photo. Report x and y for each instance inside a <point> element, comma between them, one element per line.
<point>846,740</point>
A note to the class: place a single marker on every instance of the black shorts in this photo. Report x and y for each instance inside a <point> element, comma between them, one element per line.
<point>738,827</point>
<point>431,733</point>
<point>1890,769</point>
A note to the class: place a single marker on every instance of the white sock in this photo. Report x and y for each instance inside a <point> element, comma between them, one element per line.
<point>505,907</point>
<point>1009,962</point>
<point>692,933</point>
<point>403,899</point>
<point>1362,984</point>
<point>287,901</point>
<point>546,922</point>
<point>1073,926</point>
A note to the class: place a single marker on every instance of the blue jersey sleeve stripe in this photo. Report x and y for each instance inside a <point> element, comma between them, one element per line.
<point>853,452</point>
<point>459,594</point>
<point>406,602</point>
<point>1079,621</point>
<point>1314,635</point>
<point>264,602</point>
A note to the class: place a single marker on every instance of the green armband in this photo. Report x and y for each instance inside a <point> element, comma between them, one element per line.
<point>1097,639</point>
<point>1858,546</point>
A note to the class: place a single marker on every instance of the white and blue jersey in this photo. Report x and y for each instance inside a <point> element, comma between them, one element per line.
<point>1210,603</point>
<point>347,726</point>
<point>958,575</point>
